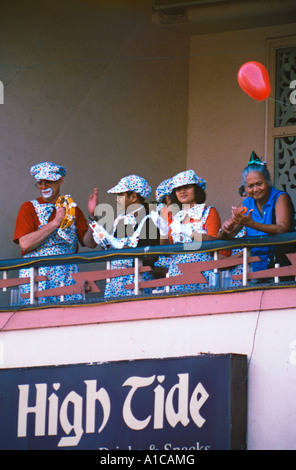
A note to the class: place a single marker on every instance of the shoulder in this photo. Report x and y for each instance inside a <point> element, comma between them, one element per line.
<point>283,200</point>
<point>30,204</point>
<point>26,207</point>
<point>280,198</point>
<point>277,194</point>
<point>26,221</point>
<point>211,211</point>
<point>283,196</point>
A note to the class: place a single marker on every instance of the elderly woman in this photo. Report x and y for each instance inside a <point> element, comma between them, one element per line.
<point>196,221</point>
<point>264,211</point>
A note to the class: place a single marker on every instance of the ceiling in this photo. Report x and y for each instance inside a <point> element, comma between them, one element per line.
<point>210,16</point>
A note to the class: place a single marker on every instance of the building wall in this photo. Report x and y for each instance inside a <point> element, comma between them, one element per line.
<point>225,124</point>
<point>94,86</point>
<point>259,324</point>
<point>267,342</point>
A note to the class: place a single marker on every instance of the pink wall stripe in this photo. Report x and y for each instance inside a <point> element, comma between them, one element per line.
<point>191,305</point>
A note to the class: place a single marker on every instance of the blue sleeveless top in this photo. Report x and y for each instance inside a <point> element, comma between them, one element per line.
<point>267,217</point>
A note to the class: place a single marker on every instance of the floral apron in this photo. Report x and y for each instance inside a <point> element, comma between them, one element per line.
<point>115,287</point>
<point>59,242</point>
<point>199,212</point>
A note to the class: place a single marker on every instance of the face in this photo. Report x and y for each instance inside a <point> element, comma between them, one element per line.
<point>49,190</point>
<point>120,201</point>
<point>186,194</point>
<point>124,200</point>
<point>256,186</point>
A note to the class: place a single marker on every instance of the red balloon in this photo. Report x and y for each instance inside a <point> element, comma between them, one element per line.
<point>253,78</point>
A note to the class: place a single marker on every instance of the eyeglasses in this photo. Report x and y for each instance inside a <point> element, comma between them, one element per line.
<point>44,182</point>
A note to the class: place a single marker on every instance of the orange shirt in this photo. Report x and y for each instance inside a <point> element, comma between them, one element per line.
<point>213,223</point>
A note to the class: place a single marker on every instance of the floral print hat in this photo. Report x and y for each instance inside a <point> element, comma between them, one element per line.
<point>163,189</point>
<point>132,183</point>
<point>48,171</point>
<point>188,177</point>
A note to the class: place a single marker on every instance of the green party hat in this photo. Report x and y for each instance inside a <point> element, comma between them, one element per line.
<point>254,159</point>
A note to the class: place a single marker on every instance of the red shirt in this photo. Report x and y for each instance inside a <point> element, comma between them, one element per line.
<point>27,221</point>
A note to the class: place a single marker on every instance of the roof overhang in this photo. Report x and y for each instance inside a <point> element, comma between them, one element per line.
<point>212,16</point>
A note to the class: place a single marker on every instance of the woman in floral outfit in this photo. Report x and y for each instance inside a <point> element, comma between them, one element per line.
<point>133,227</point>
<point>196,221</point>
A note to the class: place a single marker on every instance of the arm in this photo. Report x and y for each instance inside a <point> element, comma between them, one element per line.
<point>88,239</point>
<point>213,225</point>
<point>230,227</point>
<point>32,240</point>
<point>93,202</point>
<point>283,216</point>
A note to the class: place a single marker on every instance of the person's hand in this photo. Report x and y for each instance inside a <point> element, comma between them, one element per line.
<point>93,201</point>
<point>60,215</point>
<point>240,217</point>
<point>228,226</point>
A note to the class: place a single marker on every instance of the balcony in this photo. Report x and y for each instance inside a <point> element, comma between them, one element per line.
<point>95,271</point>
<point>253,319</point>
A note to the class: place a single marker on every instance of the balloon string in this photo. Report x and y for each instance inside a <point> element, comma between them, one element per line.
<point>281,102</point>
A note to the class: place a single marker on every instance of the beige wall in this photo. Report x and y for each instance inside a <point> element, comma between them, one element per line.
<point>97,87</point>
<point>225,124</point>
<point>92,85</point>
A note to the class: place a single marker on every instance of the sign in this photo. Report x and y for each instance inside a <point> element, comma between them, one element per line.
<point>187,403</point>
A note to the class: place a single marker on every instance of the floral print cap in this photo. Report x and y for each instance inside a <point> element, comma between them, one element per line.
<point>48,171</point>
<point>188,177</point>
<point>163,189</point>
<point>132,183</point>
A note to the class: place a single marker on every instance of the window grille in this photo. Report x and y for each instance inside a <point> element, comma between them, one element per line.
<point>284,130</point>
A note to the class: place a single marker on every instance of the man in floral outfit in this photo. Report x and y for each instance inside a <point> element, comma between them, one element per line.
<point>38,230</point>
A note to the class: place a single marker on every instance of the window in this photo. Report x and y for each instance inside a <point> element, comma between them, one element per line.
<point>282,114</point>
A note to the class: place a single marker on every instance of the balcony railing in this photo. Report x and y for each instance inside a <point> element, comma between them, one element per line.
<point>95,271</point>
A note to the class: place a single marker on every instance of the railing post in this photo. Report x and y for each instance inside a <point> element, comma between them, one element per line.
<point>216,258</point>
<point>108,267</point>
<point>4,277</point>
<point>62,297</point>
<point>276,278</point>
<point>167,288</point>
<point>138,277</point>
<point>216,271</point>
<point>33,285</point>
<point>245,266</point>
